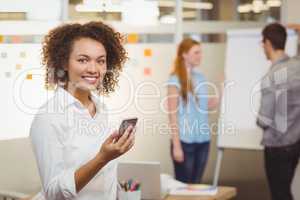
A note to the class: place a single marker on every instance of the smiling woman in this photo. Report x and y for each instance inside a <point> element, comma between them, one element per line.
<point>87,64</point>
<point>76,158</point>
<point>59,50</point>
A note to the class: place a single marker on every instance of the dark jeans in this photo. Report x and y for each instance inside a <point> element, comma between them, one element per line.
<point>195,159</point>
<point>280,164</point>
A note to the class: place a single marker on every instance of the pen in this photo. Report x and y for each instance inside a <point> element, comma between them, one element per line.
<point>133,186</point>
<point>129,185</point>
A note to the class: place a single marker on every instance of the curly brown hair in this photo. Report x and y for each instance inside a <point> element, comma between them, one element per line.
<point>57,47</point>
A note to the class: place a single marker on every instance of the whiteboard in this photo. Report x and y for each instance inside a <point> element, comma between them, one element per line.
<point>245,65</point>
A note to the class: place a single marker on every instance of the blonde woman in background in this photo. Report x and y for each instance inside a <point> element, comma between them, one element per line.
<point>188,106</point>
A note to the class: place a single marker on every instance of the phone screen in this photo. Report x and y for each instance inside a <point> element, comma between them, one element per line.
<point>125,124</point>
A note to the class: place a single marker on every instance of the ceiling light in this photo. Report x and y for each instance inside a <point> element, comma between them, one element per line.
<point>274,3</point>
<point>246,8</point>
<point>98,6</point>
<point>191,5</point>
<point>189,14</point>
<point>257,6</point>
<point>198,5</point>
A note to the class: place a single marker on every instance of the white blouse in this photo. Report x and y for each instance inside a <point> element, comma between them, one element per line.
<point>64,137</point>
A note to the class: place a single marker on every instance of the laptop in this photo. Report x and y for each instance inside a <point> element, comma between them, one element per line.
<point>147,173</point>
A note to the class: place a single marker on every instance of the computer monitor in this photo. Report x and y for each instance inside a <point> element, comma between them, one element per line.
<point>147,173</point>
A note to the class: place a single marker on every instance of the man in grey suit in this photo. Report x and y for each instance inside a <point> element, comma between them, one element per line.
<point>279,114</point>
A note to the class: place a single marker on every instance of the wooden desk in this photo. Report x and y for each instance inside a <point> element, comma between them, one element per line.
<point>224,193</point>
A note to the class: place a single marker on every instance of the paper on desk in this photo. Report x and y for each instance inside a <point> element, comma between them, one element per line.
<point>173,187</point>
<point>196,189</point>
<point>168,183</point>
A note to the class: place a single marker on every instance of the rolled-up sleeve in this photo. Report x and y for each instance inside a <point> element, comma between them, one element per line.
<point>58,181</point>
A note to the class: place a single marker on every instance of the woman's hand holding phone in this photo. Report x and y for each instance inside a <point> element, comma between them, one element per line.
<point>116,145</point>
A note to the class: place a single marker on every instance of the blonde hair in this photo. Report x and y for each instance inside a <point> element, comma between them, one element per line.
<point>179,68</point>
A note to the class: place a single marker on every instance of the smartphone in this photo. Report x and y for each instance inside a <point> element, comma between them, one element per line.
<point>125,124</point>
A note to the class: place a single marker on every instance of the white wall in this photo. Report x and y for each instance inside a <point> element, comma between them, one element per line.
<point>290,11</point>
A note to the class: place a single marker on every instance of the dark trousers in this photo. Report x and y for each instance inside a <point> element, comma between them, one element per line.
<point>195,159</point>
<point>280,165</point>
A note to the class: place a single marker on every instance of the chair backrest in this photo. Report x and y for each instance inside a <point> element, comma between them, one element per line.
<point>18,169</point>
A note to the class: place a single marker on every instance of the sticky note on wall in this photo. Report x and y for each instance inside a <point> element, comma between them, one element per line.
<point>16,39</point>
<point>148,52</point>
<point>18,66</point>
<point>132,38</point>
<point>29,77</point>
<point>147,71</point>
<point>1,38</point>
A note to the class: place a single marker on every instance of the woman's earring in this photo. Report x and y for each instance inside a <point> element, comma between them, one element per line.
<point>60,73</point>
<point>62,77</point>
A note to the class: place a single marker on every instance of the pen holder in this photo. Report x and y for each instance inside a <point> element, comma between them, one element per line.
<point>134,195</point>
